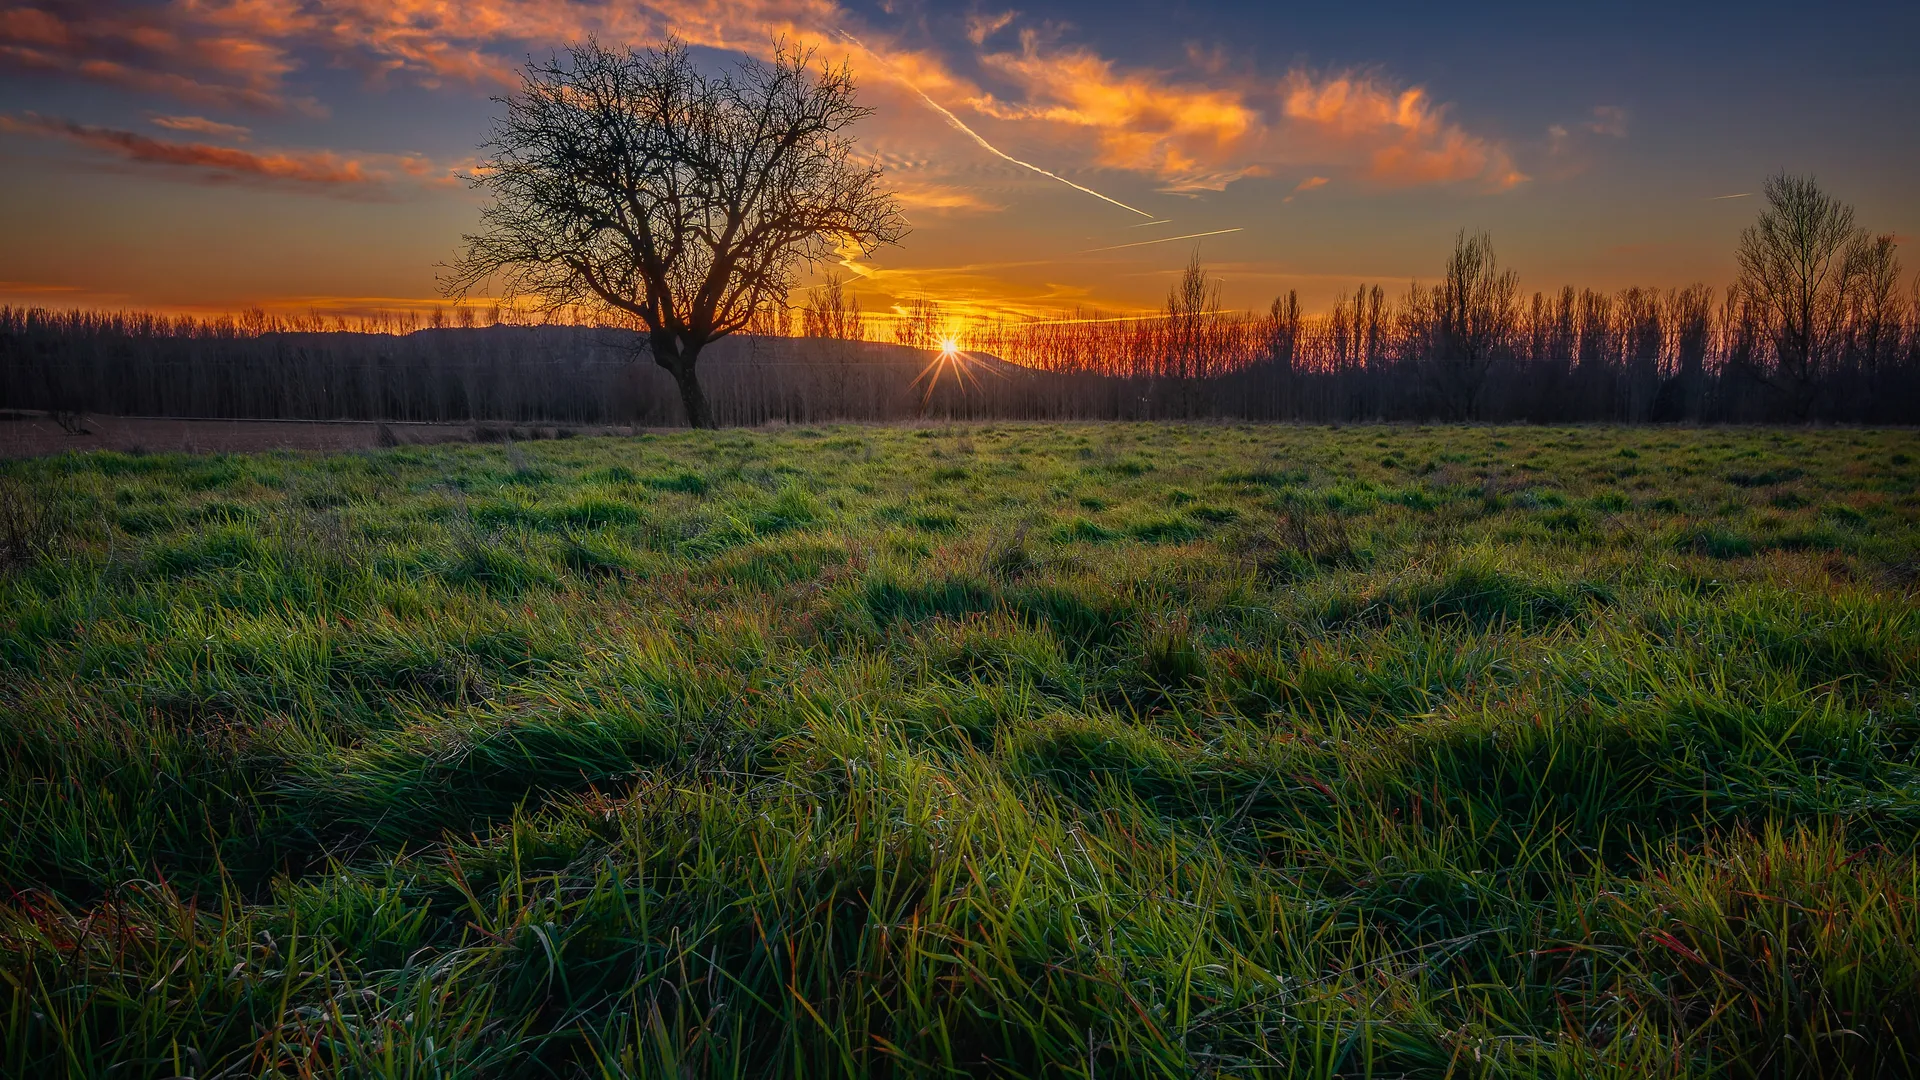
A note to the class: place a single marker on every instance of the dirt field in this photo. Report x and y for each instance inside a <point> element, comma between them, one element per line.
<point>24,434</point>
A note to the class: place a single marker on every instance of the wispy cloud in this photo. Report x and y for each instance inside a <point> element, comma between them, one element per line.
<point>200,125</point>
<point>357,176</point>
<point>1608,120</point>
<point>997,86</point>
<point>941,198</point>
<point>981,27</point>
<point>981,141</point>
<point>1189,137</point>
<point>1309,184</point>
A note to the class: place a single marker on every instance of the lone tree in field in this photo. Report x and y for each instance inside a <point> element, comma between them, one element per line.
<point>1798,264</point>
<point>633,185</point>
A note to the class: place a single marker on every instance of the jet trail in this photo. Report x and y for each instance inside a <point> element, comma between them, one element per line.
<point>976,136</point>
<point>1742,195</point>
<point>1164,239</point>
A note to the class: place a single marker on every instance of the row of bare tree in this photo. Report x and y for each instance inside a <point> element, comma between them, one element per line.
<point>1815,328</point>
<point>1637,356</point>
<point>1816,322</point>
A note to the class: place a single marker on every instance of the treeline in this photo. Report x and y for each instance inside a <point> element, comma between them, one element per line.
<point>141,365</point>
<point>1640,355</point>
<point>1816,328</point>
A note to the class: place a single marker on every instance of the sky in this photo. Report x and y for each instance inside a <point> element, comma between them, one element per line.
<point>1052,156</point>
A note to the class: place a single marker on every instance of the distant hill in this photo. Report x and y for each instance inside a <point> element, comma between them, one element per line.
<point>520,373</point>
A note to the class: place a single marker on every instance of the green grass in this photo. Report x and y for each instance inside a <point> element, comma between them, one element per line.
<point>1000,750</point>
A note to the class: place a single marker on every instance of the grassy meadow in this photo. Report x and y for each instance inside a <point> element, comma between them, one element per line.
<point>996,750</point>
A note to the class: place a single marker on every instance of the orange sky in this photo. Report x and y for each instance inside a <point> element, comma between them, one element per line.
<point>208,155</point>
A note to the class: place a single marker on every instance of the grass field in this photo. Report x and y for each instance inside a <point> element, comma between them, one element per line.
<point>997,750</point>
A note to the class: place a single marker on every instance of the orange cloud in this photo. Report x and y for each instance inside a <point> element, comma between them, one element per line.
<point>1189,138</point>
<point>200,125</point>
<point>981,27</point>
<point>1399,136</point>
<point>940,198</point>
<point>216,54</point>
<point>364,176</point>
<point>1187,134</point>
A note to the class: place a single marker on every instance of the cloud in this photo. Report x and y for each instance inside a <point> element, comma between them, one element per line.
<point>1397,137</point>
<point>981,27</point>
<point>200,125</point>
<point>1308,184</point>
<point>1195,136</point>
<point>229,53</point>
<point>1190,132</point>
<point>941,198</point>
<point>1609,120</point>
<point>1571,147</point>
<point>361,176</point>
<point>1187,137</point>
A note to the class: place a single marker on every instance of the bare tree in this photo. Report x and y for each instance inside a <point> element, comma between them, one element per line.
<point>1283,331</point>
<point>833,312</point>
<point>1193,307</point>
<point>1690,315</point>
<point>1873,303</point>
<point>1473,315</point>
<point>1797,263</point>
<point>919,325</point>
<point>633,185</point>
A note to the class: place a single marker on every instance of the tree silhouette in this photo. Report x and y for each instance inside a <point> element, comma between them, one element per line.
<point>635,186</point>
<point>1798,262</point>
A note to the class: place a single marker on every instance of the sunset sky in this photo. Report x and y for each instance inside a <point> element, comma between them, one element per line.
<point>207,155</point>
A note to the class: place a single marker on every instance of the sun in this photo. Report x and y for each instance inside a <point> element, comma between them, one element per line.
<point>949,347</point>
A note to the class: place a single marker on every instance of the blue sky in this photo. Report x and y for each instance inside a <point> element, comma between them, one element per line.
<point>300,153</point>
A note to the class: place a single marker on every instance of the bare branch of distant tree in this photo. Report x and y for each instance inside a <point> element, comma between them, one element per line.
<point>1798,262</point>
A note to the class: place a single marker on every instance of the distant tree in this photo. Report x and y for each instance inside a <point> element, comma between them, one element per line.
<point>1193,307</point>
<point>1690,315</point>
<point>1471,317</point>
<point>1283,331</point>
<point>1873,304</point>
<point>633,185</point>
<point>1798,263</point>
<point>833,312</point>
<point>919,325</point>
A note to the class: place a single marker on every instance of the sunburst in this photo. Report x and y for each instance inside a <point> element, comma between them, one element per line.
<point>950,360</point>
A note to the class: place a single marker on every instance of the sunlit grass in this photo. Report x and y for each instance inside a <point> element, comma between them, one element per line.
<point>995,749</point>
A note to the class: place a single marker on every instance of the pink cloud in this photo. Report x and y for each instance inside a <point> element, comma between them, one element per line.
<point>200,125</point>
<point>359,176</point>
<point>1397,137</point>
<point>1186,133</point>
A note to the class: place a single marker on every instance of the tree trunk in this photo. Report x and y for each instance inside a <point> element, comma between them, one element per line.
<point>692,396</point>
<point>679,361</point>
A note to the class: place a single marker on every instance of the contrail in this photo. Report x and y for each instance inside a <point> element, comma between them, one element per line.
<point>1163,240</point>
<point>1144,224</point>
<point>976,137</point>
<point>1741,195</point>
